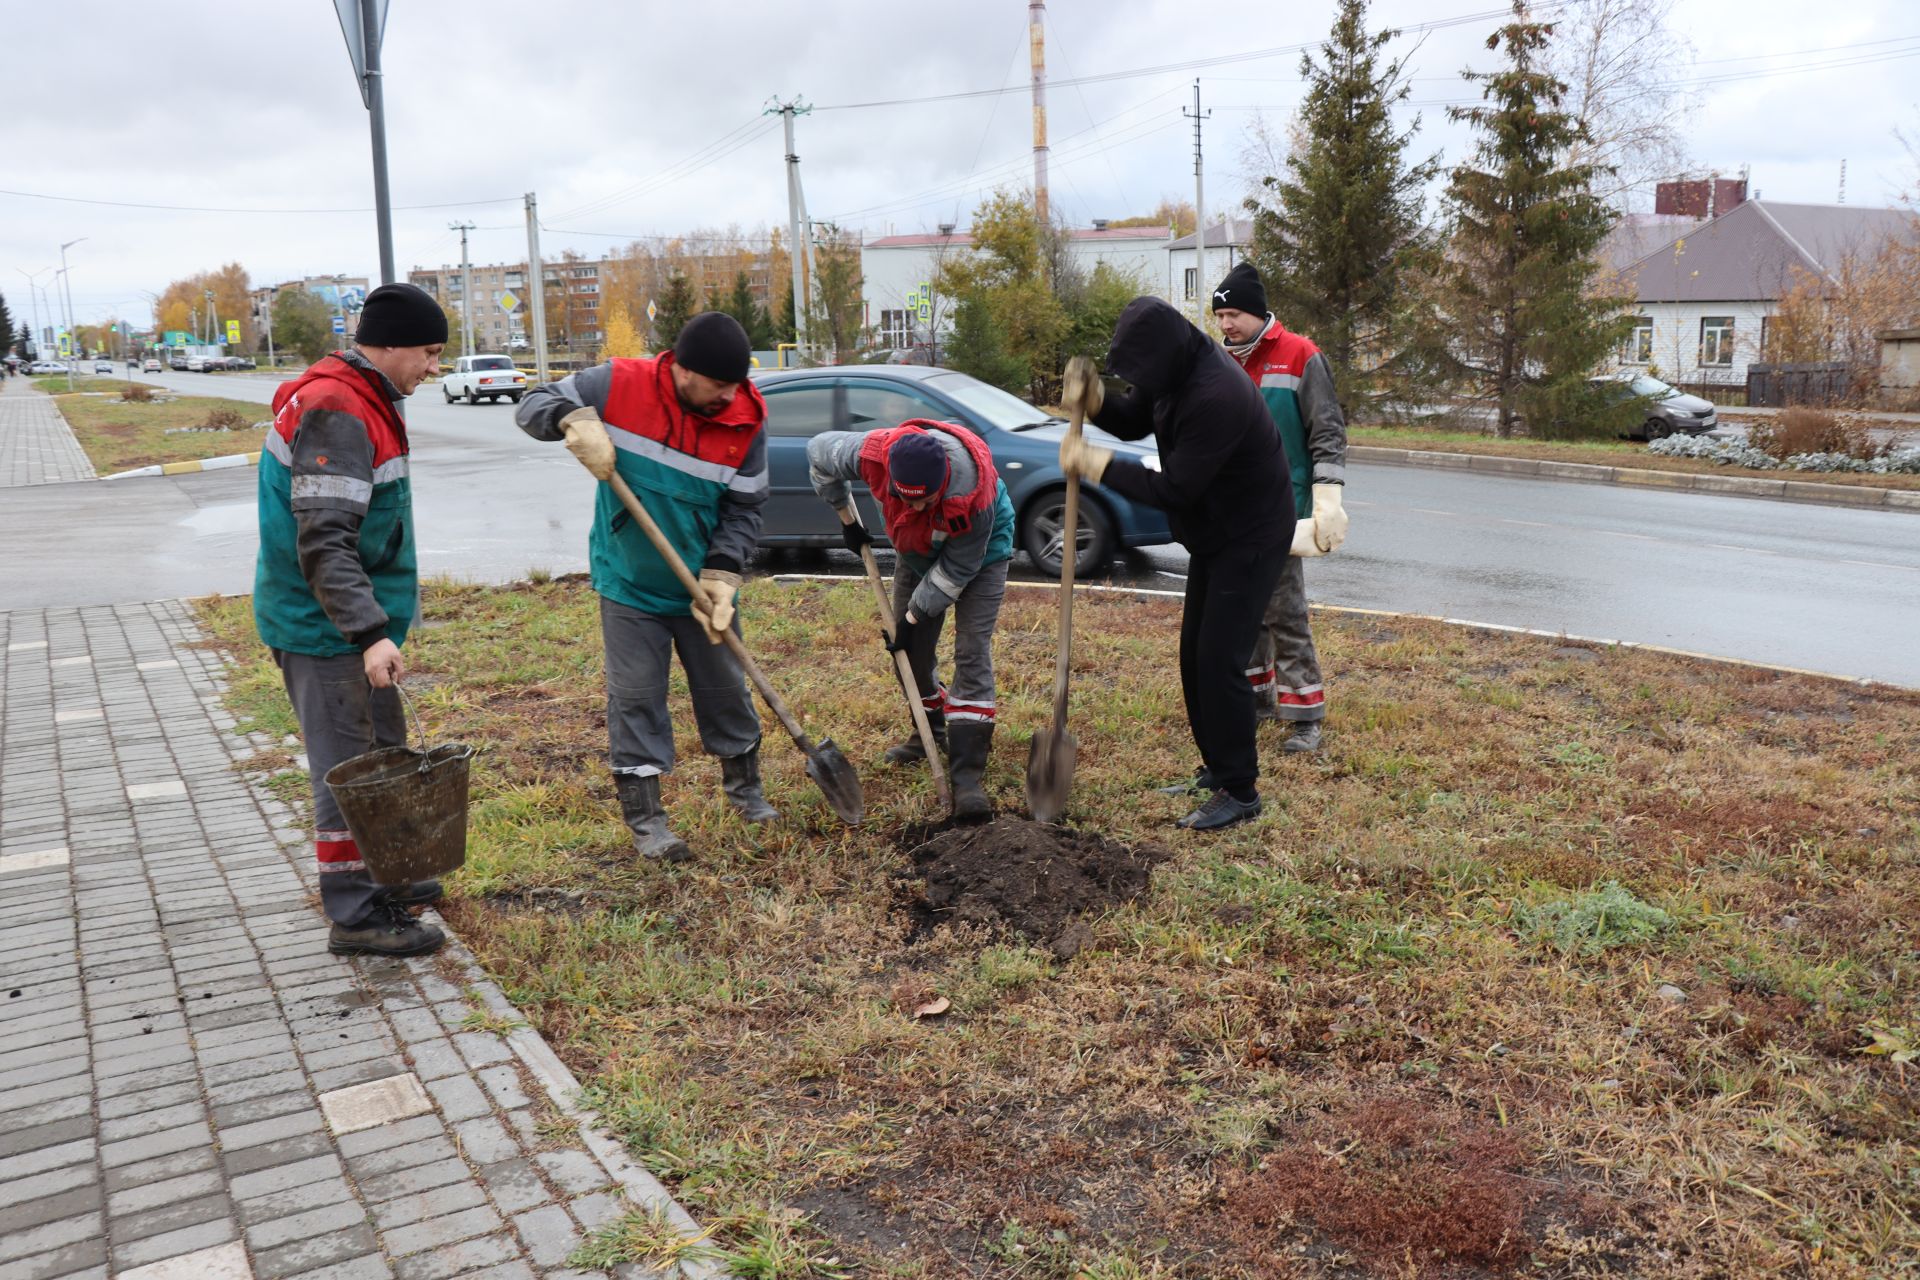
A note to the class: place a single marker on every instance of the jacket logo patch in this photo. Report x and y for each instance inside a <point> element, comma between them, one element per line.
<point>321,460</point>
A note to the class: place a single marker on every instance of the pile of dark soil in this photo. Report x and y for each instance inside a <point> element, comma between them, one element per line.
<point>1025,876</point>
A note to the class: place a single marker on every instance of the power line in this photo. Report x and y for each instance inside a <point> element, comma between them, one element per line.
<point>1190,64</point>
<point>725,145</point>
<point>188,208</point>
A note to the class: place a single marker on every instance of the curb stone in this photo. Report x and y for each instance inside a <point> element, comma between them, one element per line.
<point>1863,497</point>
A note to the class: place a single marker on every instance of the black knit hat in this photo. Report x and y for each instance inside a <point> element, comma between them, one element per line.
<point>713,344</point>
<point>917,466</point>
<point>1241,291</point>
<point>401,315</point>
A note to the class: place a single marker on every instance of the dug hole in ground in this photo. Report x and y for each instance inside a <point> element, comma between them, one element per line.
<point>1556,961</point>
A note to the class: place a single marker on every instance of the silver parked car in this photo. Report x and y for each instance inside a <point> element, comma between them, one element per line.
<point>1669,411</point>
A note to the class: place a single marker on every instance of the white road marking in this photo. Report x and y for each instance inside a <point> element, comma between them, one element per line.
<point>1531,524</point>
<point>1428,511</point>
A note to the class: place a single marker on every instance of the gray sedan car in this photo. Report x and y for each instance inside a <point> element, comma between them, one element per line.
<point>1669,411</point>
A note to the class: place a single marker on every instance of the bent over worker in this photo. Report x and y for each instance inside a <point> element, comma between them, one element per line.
<point>1296,382</point>
<point>950,520</point>
<point>684,430</point>
<point>1221,463</point>
<point>335,587</point>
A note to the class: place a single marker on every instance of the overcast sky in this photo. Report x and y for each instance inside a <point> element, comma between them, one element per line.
<point>598,107</point>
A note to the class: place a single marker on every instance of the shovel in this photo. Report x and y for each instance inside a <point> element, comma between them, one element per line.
<point>905,668</point>
<point>826,765</point>
<point>1051,757</point>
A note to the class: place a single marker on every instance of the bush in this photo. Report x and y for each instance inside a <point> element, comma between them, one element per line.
<point>228,420</point>
<point>1802,430</point>
<point>1733,453</point>
<point>137,393</point>
<point>1591,922</point>
<point>1903,460</point>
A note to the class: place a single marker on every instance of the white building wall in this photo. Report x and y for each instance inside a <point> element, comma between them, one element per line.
<point>1676,351</point>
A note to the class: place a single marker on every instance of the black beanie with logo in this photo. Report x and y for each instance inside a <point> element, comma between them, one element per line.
<point>1241,291</point>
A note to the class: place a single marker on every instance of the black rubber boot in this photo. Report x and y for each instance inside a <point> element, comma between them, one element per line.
<point>647,819</point>
<point>910,751</point>
<point>388,931</point>
<point>1305,737</point>
<point>740,779</point>
<point>1221,810</point>
<point>972,740</point>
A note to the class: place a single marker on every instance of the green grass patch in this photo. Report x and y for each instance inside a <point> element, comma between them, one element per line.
<point>1451,926</point>
<point>119,435</point>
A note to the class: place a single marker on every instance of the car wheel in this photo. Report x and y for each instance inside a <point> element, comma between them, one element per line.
<point>1041,533</point>
<point>473,397</point>
<point>448,393</point>
<point>1656,428</point>
<point>513,399</point>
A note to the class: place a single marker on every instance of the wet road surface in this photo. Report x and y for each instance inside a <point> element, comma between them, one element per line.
<point>1826,588</point>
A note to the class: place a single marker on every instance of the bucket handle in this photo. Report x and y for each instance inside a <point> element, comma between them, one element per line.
<point>418,728</point>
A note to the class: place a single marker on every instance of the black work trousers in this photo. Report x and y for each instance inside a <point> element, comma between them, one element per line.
<point>1227,594</point>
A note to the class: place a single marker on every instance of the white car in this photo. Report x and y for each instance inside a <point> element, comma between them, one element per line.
<point>483,377</point>
<point>150,365</point>
<point>46,366</point>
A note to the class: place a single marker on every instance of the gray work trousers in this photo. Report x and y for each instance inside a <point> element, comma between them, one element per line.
<point>975,614</point>
<point>639,730</point>
<point>341,716</point>
<point>1285,670</point>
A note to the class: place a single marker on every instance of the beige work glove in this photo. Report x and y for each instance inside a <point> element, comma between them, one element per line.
<point>1082,386</point>
<point>717,589</point>
<point>587,440</point>
<point>1303,543</point>
<point>1329,517</point>
<point>1088,461</point>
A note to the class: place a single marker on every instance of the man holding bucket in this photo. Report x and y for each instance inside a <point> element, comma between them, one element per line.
<point>684,430</point>
<point>335,587</point>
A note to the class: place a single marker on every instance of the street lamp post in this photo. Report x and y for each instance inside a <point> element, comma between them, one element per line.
<point>72,337</point>
<point>33,309</point>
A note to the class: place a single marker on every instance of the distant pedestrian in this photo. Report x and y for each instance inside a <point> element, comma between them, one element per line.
<point>1296,382</point>
<point>684,429</point>
<point>336,586</point>
<point>1221,463</point>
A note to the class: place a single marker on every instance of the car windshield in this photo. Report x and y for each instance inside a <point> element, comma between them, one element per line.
<point>1001,409</point>
<point>1645,384</point>
<point>492,362</point>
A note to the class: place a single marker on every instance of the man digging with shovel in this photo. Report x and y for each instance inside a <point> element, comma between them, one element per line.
<point>685,428</point>
<point>951,523</point>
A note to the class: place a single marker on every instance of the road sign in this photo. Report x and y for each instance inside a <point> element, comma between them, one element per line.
<point>652,311</point>
<point>349,11</point>
<point>177,338</point>
<point>339,324</point>
<point>233,332</point>
<point>913,299</point>
<point>509,301</point>
<point>926,310</point>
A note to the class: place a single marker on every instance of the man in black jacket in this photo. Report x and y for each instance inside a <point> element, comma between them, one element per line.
<point>1221,463</point>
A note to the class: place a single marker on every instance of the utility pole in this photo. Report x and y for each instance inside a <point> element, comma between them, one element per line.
<point>1201,285</point>
<point>213,321</point>
<point>33,308</point>
<point>537,283</point>
<point>466,289</point>
<point>273,293</point>
<point>1037,56</point>
<point>364,23</point>
<point>67,284</point>
<point>795,202</point>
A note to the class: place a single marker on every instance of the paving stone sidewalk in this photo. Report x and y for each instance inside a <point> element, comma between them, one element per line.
<point>191,1088</point>
<point>36,445</point>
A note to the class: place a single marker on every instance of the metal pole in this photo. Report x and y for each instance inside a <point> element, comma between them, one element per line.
<point>1037,56</point>
<point>273,295</point>
<point>377,112</point>
<point>33,311</point>
<point>72,337</point>
<point>1201,285</point>
<point>796,247</point>
<point>537,283</point>
<point>466,289</point>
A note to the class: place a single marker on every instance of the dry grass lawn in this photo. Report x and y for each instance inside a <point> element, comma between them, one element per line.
<point>1556,962</point>
<point>119,435</point>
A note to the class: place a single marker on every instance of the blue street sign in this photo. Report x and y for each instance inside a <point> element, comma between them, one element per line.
<point>339,324</point>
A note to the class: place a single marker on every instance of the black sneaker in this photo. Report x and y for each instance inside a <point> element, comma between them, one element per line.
<point>1198,785</point>
<point>421,893</point>
<point>388,931</point>
<point>1221,810</point>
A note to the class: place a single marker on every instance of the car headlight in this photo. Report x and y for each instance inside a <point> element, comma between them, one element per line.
<point>1151,462</point>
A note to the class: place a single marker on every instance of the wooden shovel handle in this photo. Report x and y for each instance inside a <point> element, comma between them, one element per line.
<point>905,668</point>
<point>735,645</point>
<point>1069,559</point>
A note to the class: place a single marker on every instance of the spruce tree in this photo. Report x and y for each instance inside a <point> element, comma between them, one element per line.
<point>1334,239</point>
<point>740,305</point>
<point>6,327</point>
<point>676,308</point>
<point>780,319</point>
<point>1523,319</point>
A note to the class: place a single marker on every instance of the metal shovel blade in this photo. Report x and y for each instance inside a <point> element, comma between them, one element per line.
<point>838,782</point>
<point>1050,760</point>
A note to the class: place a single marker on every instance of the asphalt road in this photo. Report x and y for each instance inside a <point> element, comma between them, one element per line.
<point>1826,588</point>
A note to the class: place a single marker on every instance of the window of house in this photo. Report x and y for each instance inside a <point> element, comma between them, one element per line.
<point>585,273</point>
<point>1716,340</point>
<point>1638,348</point>
<point>895,329</point>
<point>1766,337</point>
<point>1193,283</point>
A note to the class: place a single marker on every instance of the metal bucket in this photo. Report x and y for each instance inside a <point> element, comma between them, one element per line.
<point>406,809</point>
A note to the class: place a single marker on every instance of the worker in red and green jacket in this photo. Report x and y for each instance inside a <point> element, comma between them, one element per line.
<point>335,587</point>
<point>684,429</point>
<point>950,520</point>
<point>1297,384</point>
